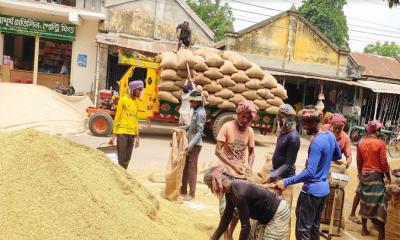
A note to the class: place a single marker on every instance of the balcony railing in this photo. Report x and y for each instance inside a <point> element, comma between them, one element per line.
<point>90,5</point>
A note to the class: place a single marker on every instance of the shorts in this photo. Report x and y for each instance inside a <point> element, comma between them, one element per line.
<point>185,41</point>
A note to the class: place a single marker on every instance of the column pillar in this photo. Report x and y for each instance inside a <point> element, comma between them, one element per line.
<point>36,60</point>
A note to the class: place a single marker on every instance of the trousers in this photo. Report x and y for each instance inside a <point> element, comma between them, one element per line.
<point>124,148</point>
<point>190,172</point>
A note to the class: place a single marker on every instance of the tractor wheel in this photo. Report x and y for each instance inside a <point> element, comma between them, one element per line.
<point>220,121</point>
<point>101,124</point>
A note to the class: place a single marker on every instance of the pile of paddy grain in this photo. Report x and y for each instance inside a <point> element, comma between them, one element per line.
<point>55,189</point>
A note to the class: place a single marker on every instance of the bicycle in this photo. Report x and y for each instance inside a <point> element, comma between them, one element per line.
<point>394,146</point>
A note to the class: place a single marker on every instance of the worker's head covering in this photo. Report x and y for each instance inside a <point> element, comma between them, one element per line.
<point>373,126</point>
<point>327,118</point>
<point>196,96</point>
<point>213,179</point>
<point>338,120</point>
<point>246,106</point>
<point>136,84</point>
<point>287,114</point>
<point>310,112</point>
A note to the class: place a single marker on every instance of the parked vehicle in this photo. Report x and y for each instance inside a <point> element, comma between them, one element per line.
<point>101,116</point>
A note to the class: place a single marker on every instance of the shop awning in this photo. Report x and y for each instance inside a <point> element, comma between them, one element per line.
<point>347,82</point>
<point>132,42</point>
<point>381,87</point>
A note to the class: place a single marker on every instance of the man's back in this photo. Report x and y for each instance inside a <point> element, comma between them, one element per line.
<point>371,154</point>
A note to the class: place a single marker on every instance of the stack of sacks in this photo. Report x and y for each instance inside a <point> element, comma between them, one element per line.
<point>226,77</point>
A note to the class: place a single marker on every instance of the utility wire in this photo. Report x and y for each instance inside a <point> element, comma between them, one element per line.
<point>352,30</point>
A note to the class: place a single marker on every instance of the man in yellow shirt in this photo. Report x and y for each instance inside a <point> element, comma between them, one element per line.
<point>126,123</point>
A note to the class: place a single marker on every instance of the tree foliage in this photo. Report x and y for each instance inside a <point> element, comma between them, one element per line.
<point>386,49</point>
<point>217,16</point>
<point>328,17</point>
<point>393,3</point>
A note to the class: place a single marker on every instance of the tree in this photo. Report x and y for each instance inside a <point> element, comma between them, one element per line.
<point>218,17</point>
<point>393,3</point>
<point>328,17</point>
<point>387,49</point>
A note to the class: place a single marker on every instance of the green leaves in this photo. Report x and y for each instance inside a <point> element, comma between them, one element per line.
<point>328,17</point>
<point>218,17</point>
<point>387,49</point>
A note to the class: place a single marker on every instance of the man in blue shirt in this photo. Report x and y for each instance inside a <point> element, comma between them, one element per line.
<point>323,149</point>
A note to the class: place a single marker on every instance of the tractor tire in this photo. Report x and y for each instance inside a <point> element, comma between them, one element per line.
<point>220,120</point>
<point>101,124</point>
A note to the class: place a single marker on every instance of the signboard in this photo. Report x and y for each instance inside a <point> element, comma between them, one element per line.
<point>33,27</point>
<point>82,60</point>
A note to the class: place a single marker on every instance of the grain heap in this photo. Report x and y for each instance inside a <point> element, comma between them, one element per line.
<point>393,216</point>
<point>55,189</point>
<point>227,77</point>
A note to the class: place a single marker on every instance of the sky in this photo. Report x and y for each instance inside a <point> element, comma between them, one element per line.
<point>368,20</point>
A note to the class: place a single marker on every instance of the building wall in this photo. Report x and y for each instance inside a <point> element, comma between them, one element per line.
<point>156,19</point>
<point>83,78</point>
<point>270,40</point>
<point>85,43</point>
<point>288,43</point>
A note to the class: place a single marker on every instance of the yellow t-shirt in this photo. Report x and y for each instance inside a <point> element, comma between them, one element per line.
<point>126,118</point>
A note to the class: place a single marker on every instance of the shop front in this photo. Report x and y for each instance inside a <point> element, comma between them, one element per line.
<point>36,51</point>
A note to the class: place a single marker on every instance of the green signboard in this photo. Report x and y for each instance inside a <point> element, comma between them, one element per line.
<point>33,27</point>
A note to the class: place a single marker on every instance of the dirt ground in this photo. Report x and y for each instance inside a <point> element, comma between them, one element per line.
<point>152,155</point>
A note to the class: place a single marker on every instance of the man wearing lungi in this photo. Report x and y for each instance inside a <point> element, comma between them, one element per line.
<point>373,168</point>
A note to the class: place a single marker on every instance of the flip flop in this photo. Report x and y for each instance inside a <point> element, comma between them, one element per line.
<point>355,220</point>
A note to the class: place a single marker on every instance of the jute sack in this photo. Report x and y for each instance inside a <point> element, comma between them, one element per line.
<point>225,94</point>
<point>255,72</point>
<point>170,74</point>
<point>237,99</point>
<point>185,56</point>
<point>168,86</point>
<point>200,79</point>
<point>169,60</point>
<point>180,84</point>
<point>238,88</point>
<point>167,96</point>
<point>279,91</point>
<point>265,93</point>
<point>200,65</point>
<point>254,84</point>
<point>212,87</point>
<point>175,165</point>
<point>184,73</point>
<point>393,213</point>
<point>226,81</point>
<point>226,105</point>
<point>272,110</point>
<point>213,100</point>
<point>204,52</point>
<point>262,104</point>
<point>269,81</point>
<point>213,73</point>
<point>214,60</point>
<point>227,68</point>
<point>276,101</point>
<point>240,62</point>
<point>240,77</point>
<point>227,54</point>
<point>251,95</point>
<point>177,94</point>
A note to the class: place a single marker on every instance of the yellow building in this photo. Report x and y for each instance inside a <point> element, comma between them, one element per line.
<point>299,56</point>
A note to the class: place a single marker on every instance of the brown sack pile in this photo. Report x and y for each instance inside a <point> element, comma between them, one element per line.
<point>226,76</point>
